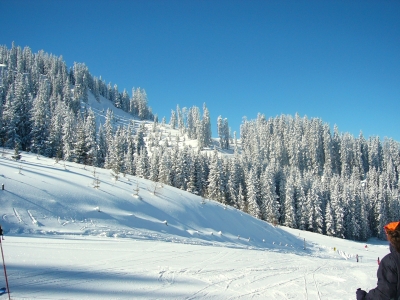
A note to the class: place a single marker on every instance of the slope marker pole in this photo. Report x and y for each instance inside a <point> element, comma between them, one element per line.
<point>4,266</point>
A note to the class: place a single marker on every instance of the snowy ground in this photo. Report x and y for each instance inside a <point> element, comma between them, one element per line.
<point>66,239</point>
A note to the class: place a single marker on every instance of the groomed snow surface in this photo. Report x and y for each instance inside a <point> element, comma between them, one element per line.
<point>132,239</point>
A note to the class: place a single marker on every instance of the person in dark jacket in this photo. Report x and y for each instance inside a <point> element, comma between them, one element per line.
<point>388,286</point>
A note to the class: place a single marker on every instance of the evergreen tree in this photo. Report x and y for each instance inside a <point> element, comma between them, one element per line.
<point>22,104</point>
<point>80,148</point>
<point>68,135</point>
<point>289,212</point>
<point>90,138</point>
<point>172,122</point>
<point>269,198</point>
<point>41,119</point>
<point>215,179</point>
<point>329,221</point>
<point>143,165</point>
<point>206,128</point>
<point>55,137</point>
<point>253,194</point>
<point>165,168</point>
<point>337,206</point>
<point>154,163</point>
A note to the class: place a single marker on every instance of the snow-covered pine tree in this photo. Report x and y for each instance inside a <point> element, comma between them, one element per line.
<point>173,121</point>
<point>154,165</point>
<point>90,138</point>
<point>80,152</point>
<point>41,118</point>
<point>55,138</point>
<point>206,126</point>
<point>253,194</point>
<point>143,165</point>
<point>129,153</point>
<point>22,107</point>
<point>289,209</point>
<point>235,178</point>
<point>68,138</point>
<point>269,204</point>
<point>337,205</point>
<point>215,178</point>
<point>329,220</point>
<point>164,174</point>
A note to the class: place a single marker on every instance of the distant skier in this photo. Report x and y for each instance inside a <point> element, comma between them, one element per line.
<point>379,261</point>
<point>388,286</point>
<point>357,257</point>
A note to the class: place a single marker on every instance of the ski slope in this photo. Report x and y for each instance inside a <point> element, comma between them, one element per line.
<point>132,239</point>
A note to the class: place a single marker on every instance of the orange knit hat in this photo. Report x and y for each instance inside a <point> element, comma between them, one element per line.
<point>391,226</point>
<point>393,234</point>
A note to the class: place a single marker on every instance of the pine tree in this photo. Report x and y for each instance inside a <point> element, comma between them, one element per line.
<point>317,220</point>
<point>20,115</point>
<point>80,150</point>
<point>90,138</point>
<point>10,120</point>
<point>41,119</point>
<point>337,206</point>
<point>289,217</point>
<point>181,122</point>
<point>101,152</point>
<point>129,155</point>
<point>253,194</point>
<point>139,138</point>
<point>116,153</point>
<point>269,198</point>
<point>206,127</point>
<point>234,180</point>
<point>215,179</point>
<point>143,165</point>
<point>329,221</point>
<point>172,122</point>
<point>55,137</point>
<point>165,168</point>
<point>68,135</point>
<point>154,163</point>
<point>301,209</point>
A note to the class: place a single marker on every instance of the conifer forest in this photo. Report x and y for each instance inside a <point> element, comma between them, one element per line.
<point>287,170</point>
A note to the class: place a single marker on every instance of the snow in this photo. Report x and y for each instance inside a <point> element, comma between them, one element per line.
<point>65,239</point>
<point>73,232</point>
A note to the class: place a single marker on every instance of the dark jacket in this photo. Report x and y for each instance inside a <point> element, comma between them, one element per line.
<point>388,286</point>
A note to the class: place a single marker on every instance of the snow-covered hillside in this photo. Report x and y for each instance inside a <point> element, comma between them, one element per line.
<point>44,197</point>
<point>131,239</point>
<point>122,118</point>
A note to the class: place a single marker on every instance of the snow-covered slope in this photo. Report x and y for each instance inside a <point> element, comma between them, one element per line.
<point>122,118</point>
<point>65,239</point>
<point>45,197</point>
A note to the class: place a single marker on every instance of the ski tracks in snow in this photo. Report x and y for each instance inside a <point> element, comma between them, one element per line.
<point>5,218</point>
<point>17,215</point>
<point>166,277</point>
<point>20,219</point>
<point>34,221</point>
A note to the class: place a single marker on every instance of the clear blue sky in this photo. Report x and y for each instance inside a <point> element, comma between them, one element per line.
<point>335,60</point>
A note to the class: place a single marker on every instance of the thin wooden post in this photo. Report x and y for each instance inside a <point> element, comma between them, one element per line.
<point>5,272</point>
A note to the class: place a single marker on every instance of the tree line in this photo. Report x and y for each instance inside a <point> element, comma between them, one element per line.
<point>287,170</point>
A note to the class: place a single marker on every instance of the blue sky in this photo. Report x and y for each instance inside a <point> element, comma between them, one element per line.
<point>335,60</point>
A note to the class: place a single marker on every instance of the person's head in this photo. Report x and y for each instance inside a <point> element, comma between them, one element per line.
<point>393,234</point>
